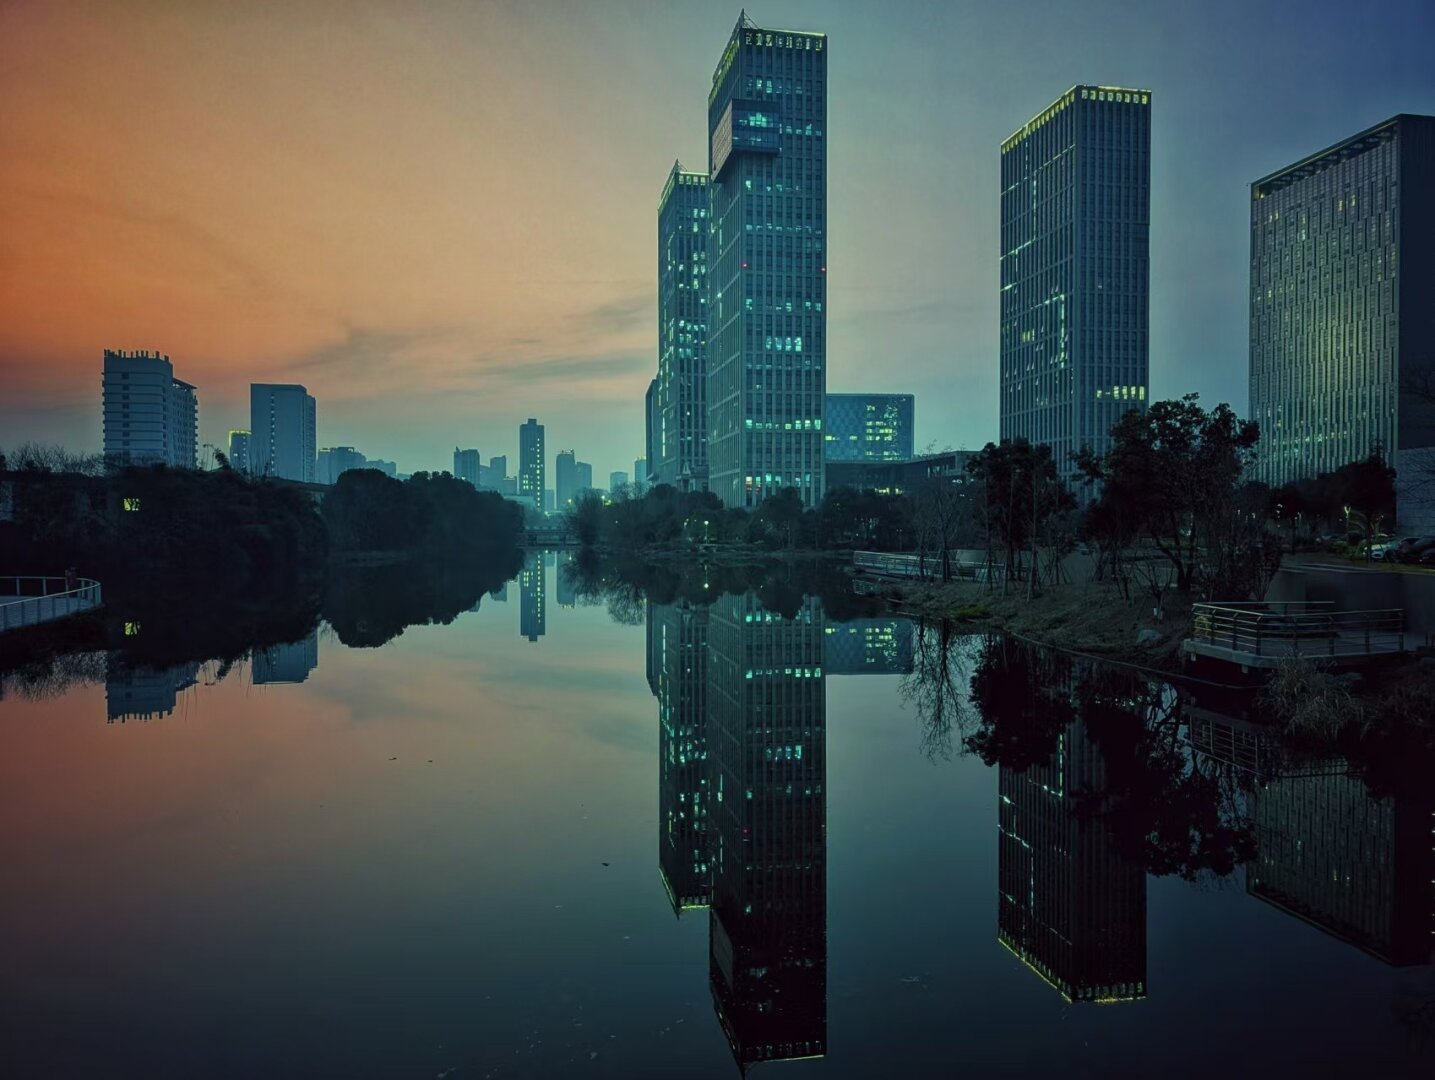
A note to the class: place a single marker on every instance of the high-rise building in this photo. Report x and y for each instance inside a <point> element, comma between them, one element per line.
<point>289,663</point>
<point>869,427</point>
<point>640,475</point>
<point>467,465</point>
<point>530,462</point>
<point>565,478</point>
<point>1343,304</point>
<point>650,421</point>
<point>767,270</point>
<point>766,821</point>
<point>497,470</point>
<point>532,587</point>
<point>869,647</point>
<point>678,445</point>
<point>238,451</point>
<point>144,693</point>
<point>550,500</point>
<point>150,417</point>
<point>585,476</point>
<point>1075,272</point>
<point>333,462</point>
<point>617,480</point>
<point>283,426</point>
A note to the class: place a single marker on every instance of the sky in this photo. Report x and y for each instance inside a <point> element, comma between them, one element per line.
<point>441,218</point>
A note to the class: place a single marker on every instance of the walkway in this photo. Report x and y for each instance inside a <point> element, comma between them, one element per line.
<point>1262,635</point>
<point>29,601</point>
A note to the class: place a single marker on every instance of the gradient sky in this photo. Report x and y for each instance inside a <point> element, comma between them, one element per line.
<point>441,217</point>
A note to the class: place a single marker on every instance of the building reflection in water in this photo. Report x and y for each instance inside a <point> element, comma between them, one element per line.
<point>869,647</point>
<point>532,587</point>
<point>144,693</point>
<point>1070,905</point>
<point>742,816</point>
<point>289,663</point>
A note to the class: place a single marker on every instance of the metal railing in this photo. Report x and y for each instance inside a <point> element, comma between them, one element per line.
<point>902,565</point>
<point>29,600</point>
<point>1312,629</point>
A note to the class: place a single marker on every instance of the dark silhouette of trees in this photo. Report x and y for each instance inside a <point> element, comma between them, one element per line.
<point>366,510</point>
<point>1021,503</point>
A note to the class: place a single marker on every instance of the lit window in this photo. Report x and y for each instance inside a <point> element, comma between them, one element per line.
<point>131,504</point>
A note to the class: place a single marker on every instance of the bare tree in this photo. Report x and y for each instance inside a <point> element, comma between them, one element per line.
<point>52,458</point>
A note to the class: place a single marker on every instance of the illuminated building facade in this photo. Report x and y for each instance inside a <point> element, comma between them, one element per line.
<point>868,647</point>
<point>149,416</point>
<point>767,822</point>
<point>1069,905</point>
<point>530,462</point>
<point>1075,271</point>
<point>767,266</point>
<point>1343,302</point>
<point>869,427</point>
<point>283,425</point>
<point>238,450</point>
<point>678,448</point>
<point>532,596</point>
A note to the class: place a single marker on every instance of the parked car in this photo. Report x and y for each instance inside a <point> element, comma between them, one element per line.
<point>1410,551</point>
<point>1381,552</point>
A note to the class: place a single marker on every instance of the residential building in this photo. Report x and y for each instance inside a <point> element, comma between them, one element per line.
<point>530,462</point>
<point>767,270</point>
<point>1342,315</point>
<point>565,478</point>
<point>497,472</point>
<point>238,450</point>
<point>1075,270</point>
<point>334,461</point>
<point>283,426</point>
<point>869,427</point>
<point>467,465</point>
<point>679,440</point>
<point>149,416</point>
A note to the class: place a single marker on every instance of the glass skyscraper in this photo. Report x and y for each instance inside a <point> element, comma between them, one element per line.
<point>1075,217</point>
<point>1343,302</point>
<point>869,427</point>
<point>680,409</point>
<point>767,260</point>
<point>530,462</point>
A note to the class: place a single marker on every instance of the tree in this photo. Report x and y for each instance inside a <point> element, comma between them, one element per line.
<point>1365,492</point>
<point>1176,468</point>
<point>1022,498</point>
<point>585,517</point>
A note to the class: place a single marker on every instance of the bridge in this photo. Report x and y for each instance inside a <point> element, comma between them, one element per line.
<point>29,601</point>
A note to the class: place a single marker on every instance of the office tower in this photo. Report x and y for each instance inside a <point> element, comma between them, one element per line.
<point>149,416</point>
<point>466,465</point>
<point>585,476</point>
<point>617,480</point>
<point>1356,865</point>
<point>1070,904</point>
<point>677,670</point>
<point>290,663</point>
<point>283,426</point>
<point>678,445</point>
<point>640,475</point>
<point>238,451</point>
<point>1075,214</point>
<point>767,828</point>
<point>1342,280</point>
<point>497,470</point>
<point>530,462</point>
<point>565,478</point>
<point>767,274</point>
<point>650,421</point>
<point>532,585</point>
<point>869,647</point>
<point>869,427</point>
<point>333,462</point>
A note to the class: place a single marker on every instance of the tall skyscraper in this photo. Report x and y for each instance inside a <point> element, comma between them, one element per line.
<point>565,478</point>
<point>238,452</point>
<point>1343,303</point>
<point>532,589</point>
<point>1075,271</point>
<point>467,465</point>
<point>150,417</point>
<point>869,427</point>
<point>283,425</point>
<point>585,476</point>
<point>640,473</point>
<point>651,422</point>
<point>767,271</point>
<point>679,439</point>
<point>530,462</point>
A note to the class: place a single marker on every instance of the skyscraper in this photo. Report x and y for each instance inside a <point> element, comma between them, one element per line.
<point>767,274</point>
<point>869,427</point>
<point>283,425</point>
<point>640,474</point>
<point>565,478</point>
<point>238,451</point>
<point>1075,218</point>
<point>1342,281</point>
<point>651,422</point>
<point>616,480</point>
<point>679,439</point>
<point>530,462</point>
<point>532,587</point>
<point>497,470</point>
<point>149,416</point>
<point>585,476</point>
<point>466,465</point>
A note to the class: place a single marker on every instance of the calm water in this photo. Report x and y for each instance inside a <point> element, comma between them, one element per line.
<point>665,840</point>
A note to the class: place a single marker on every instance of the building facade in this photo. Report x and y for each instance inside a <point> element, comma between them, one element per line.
<point>149,416</point>
<point>1075,270</point>
<point>869,427</point>
<point>678,446</point>
<point>565,478</point>
<point>333,462</point>
<point>238,450</point>
<point>617,480</point>
<point>467,465</point>
<point>530,462</point>
<point>283,425</point>
<point>1343,303</point>
<point>585,476</point>
<point>767,266</point>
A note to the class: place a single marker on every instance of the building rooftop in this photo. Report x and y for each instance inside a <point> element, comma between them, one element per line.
<point>1321,160</point>
<point>1066,99</point>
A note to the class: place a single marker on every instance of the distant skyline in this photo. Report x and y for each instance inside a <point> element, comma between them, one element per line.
<point>440,218</point>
